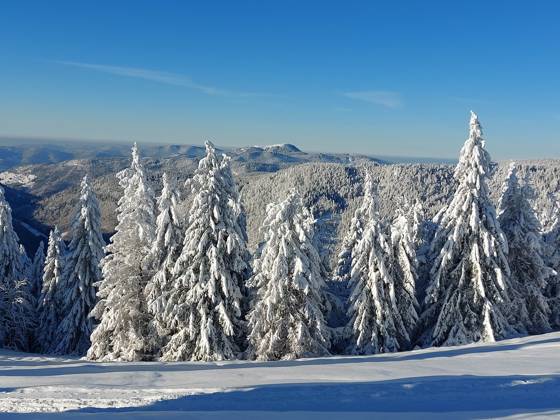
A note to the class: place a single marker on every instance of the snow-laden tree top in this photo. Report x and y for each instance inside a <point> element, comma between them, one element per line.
<point>468,290</point>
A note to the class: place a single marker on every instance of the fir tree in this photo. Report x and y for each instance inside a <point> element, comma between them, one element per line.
<point>164,253</point>
<point>202,309</point>
<point>50,301</point>
<point>81,275</point>
<point>376,325</point>
<point>530,311</point>
<point>405,239</point>
<point>287,320</point>
<point>552,239</point>
<point>36,279</point>
<point>17,305</point>
<point>362,216</point>
<point>122,333</point>
<point>469,279</point>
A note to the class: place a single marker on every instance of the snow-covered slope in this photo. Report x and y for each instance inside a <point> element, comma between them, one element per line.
<point>515,379</point>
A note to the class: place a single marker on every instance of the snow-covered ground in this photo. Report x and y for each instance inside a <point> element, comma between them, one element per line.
<point>511,379</point>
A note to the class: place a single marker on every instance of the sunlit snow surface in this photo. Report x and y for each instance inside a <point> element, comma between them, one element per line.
<point>512,379</point>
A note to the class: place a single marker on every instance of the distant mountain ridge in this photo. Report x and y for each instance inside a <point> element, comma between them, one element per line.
<point>16,152</point>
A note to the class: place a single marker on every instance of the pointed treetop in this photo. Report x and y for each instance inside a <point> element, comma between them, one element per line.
<point>55,232</point>
<point>135,154</point>
<point>475,127</point>
<point>474,156</point>
<point>369,185</point>
<point>209,146</point>
<point>512,172</point>
<point>85,189</point>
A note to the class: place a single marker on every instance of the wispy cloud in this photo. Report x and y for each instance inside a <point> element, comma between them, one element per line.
<point>384,98</point>
<point>156,76</point>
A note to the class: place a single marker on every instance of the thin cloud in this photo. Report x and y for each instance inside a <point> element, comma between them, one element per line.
<point>162,77</point>
<point>384,98</point>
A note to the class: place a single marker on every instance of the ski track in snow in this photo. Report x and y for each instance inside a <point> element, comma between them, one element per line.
<point>515,379</point>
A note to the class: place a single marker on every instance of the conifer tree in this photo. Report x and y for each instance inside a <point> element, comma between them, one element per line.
<point>164,253</point>
<point>81,275</point>
<point>287,320</point>
<point>376,325</point>
<point>17,304</point>
<point>202,309</point>
<point>50,302</point>
<point>552,239</point>
<point>530,311</point>
<point>122,333</point>
<point>405,239</point>
<point>37,266</point>
<point>470,275</point>
<point>362,215</point>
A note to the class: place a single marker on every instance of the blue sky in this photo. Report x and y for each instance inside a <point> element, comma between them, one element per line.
<point>386,78</point>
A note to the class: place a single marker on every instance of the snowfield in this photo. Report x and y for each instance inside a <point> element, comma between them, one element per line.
<point>517,378</point>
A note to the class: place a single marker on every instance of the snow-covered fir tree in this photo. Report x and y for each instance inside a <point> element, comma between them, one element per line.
<point>469,279</point>
<point>357,226</point>
<point>405,239</point>
<point>164,253</point>
<point>36,279</point>
<point>552,239</point>
<point>287,320</point>
<point>202,309</point>
<point>122,333</point>
<point>530,311</point>
<point>81,275</point>
<point>17,304</point>
<point>376,325</point>
<point>50,303</point>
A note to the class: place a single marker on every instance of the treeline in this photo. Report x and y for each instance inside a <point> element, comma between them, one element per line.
<point>178,282</point>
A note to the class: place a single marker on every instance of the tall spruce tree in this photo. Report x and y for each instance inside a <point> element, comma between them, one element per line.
<point>122,333</point>
<point>530,311</point>
<point>36,278</point>
<point>552,239</point>
<point>202,309</point>
<point>405,239</point>
<point>163,255</point>
<point>469,279</point>
<point>287,320</point>
<point>376,325</point>
<point>50,301</point>
<point>362,216</point>
<point>17,304</point>
<point>81,275</point>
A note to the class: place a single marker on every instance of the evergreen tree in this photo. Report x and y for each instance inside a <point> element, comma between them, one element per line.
<point>81,275</point>
<point>530,311</point>
<point>362,216</point>
<point>405,239</point>
<point>552,239</point>
<point>287,320</point>
<point>50,301</point>
<point>202,309</point>
<point>469,279</point>
<point>122,333</point>
<point>36,279</point>
<point>376,325</point>
<point>17,305</point>
<point>164,253</point>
